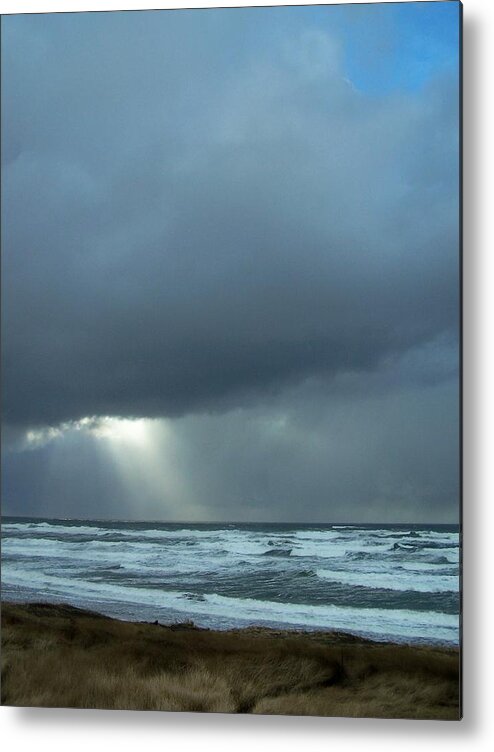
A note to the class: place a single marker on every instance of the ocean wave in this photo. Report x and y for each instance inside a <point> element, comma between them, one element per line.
<point>403,547</point>
<point>278,552</point>
<point>370,621</point>
<point>305,573</point>
<point>361,555</point>
<point>429,563</point>
<point>72,561</point>
<point>225,611</point>
<point>198,597</point>
<point>401,581</point>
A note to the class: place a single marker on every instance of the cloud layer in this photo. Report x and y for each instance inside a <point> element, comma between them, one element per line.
<point>203,216</point>
<point>177,239</point>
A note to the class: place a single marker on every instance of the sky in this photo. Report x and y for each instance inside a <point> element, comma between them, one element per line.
<point>230,264</point>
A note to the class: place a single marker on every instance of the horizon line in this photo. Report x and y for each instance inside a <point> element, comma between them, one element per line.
<point>221,522</point>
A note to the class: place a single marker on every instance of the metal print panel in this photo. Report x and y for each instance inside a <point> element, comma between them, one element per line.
<point>231,357</point>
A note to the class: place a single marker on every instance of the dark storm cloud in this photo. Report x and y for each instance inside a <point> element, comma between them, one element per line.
<point>200,211</point>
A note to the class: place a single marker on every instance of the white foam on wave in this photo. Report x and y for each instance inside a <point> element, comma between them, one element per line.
<point>40,528</point>
<point>49,549</point>
<point>346,527</point>
<point>375,622</point>
<point>208,554</point>
<point>336,549</point>
<point>372,621</point>
<point>59,566</point>
<point>100,532</point>
<point>142,559</point>
<point>401,581</point>
<point>430,567</point>
<point>316,535</point>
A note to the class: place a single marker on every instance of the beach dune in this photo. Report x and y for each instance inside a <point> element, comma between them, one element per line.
<point>61,656</point>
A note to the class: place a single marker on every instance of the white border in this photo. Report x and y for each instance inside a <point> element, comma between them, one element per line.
<point>57,730</point>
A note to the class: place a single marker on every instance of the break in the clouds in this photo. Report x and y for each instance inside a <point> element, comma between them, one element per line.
<point>236,230</point>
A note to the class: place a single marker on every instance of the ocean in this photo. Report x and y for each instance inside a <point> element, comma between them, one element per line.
<point>386,582</point>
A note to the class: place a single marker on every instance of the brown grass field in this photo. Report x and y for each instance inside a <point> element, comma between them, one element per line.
<point>60,656</point>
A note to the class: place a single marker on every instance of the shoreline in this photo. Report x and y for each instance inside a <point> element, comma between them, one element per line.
<point>259,626</point>
<point>105,662</point>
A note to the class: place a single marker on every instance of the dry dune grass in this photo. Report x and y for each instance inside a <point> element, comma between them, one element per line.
<point>58,656</point>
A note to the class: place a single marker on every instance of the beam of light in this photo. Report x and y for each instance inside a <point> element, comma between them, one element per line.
<point>144,456</point>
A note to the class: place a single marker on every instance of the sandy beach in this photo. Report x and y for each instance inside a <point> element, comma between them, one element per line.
<point>61,656</point>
